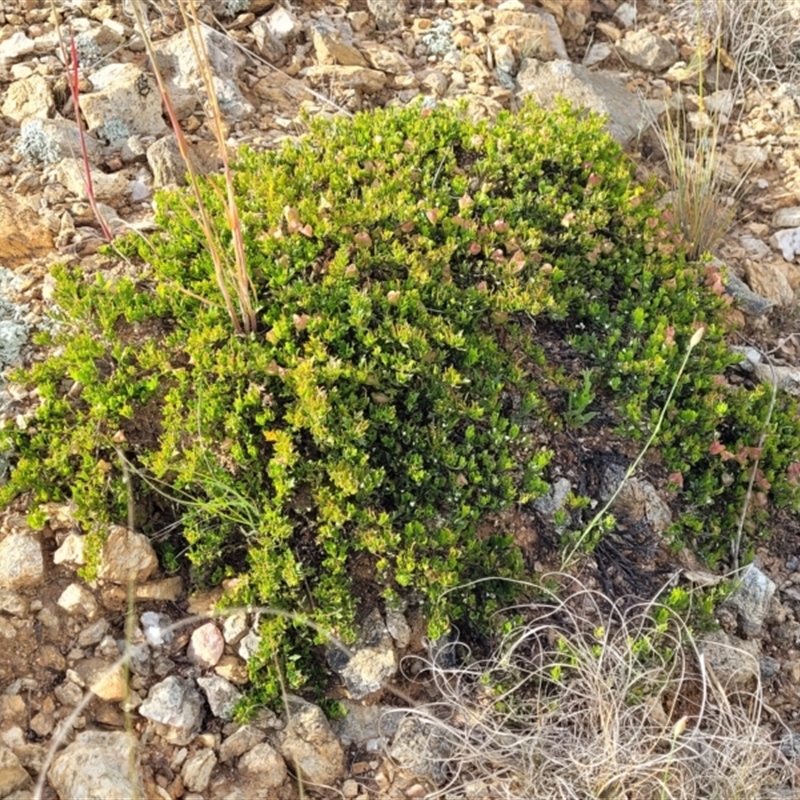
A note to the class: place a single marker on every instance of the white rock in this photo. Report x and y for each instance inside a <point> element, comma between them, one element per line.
<point>77,599</point>
<point>156,628</point>
<point>71,551</point>
<point>282,23</point>
<point>21,561</point>
<point>597,53</point>
<point>626,14</point>
<point>98,766</point>
<point>17,46</point>
<point>787,241</point>
<point>127,556</point>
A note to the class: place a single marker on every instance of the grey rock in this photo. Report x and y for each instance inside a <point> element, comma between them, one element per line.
<point>98,766</point>
<point>554,500</point>
<point>264,763</point>
<point>637,500</point>
<point>21,561</point>
<point>176,56</point>
<point>308,744</point>
<point>756,247</point>
<point>166,162</point>
<point>372,661</point>
<point>367,727</point>
<point>268,44</point>
<point>596,54</point>
<point>127,556</point>
<point>398,627</point>
<point>123,92</point>
<point>248,645</point>
<point>768,667</point>
<point>420,746</point>
<point>247,737</point>
<point>282,23</point>
<point>106,679</point>
<point>735,661</point>
<point>785,378</point>
<point>790,746</point>
<point>787,241</point>
<point>529,34</point>
<point>63,137</point>
<point>746,299</point>
<point>234,627</point>
<point>786,217</point>
<point>388,14</point>
<point>13,775</point>
<point>647,50</point>
<point>601,91</point>
<point>197,769</point>
<point>68,693</point>
<point>222,696</point>
<point>176,707</point>
<point>751,599</point>
<point>92,634</point>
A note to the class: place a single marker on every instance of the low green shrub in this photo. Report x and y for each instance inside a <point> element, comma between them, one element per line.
<point>392,397</point>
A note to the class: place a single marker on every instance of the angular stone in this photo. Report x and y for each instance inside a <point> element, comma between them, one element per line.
<point>123,92</point>
<point>533,34</point>
<point>786,217</point>
<point>15,47</point>
<point>787,241</point>
<point>388,14</point>
<point>98,766</point>
<point>64,138</point>
<point>176,707</point>
<point>206,646</point>
<point>358,78</point>
<point>734,661</point>
<point>71,173</point>
<point>420,746</point>
<point>71,551</point>
<point>265,763</point>
<point>768,280</point>
<point>385,59</point>
<point>222,696</point>
<point>77,599</point>
<point>21,561</point>
<point>166,163</point>
<point>233,669</point>
<point>23,238</point>
<point>197,769</point>
<point>240,742</point>
<point>165,590</point>
<point>603,92</point>
<point>267,43</point>
<point>751,599</point>
<point>308,744</point>
<point>103,678</point>
<point>13,775</point>
<point>28,98</point>
<point>176,56</point>
<point>372,661</point>
<point>647,50</point>
<point>331,49</point>
<point>127,556</point>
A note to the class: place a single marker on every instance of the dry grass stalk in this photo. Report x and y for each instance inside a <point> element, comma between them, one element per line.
<point>592,699</point>
<point>232,275</point>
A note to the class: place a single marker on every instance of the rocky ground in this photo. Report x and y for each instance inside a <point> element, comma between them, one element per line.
<point>275,63</point>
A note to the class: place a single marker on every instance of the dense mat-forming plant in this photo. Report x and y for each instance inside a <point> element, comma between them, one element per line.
<point>390,397</point>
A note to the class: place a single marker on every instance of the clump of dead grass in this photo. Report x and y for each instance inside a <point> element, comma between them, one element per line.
<point>587,698</point>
